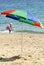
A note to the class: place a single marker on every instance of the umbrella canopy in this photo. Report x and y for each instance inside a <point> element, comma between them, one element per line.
<point>23,16</point>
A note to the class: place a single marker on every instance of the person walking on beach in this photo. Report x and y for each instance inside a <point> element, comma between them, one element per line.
<point>9,27</point>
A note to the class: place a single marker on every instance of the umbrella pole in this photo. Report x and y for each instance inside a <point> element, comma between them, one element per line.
<point>22,39</point>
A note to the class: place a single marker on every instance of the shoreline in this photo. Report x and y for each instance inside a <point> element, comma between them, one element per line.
<point>20,31</point>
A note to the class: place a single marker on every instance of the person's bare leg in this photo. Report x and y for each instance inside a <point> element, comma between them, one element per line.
<point>9,31</point>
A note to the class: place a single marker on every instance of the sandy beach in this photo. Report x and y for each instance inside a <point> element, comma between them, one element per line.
<point>22,49</point>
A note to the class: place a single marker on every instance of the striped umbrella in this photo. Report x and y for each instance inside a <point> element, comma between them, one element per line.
<point>23,16</point>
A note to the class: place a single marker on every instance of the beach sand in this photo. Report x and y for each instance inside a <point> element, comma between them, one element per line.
<point>22,49</point>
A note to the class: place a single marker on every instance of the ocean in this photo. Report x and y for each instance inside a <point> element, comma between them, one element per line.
<point>35,6</point>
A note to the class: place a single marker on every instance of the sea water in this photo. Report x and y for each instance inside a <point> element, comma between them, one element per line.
<point>35,6</point>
